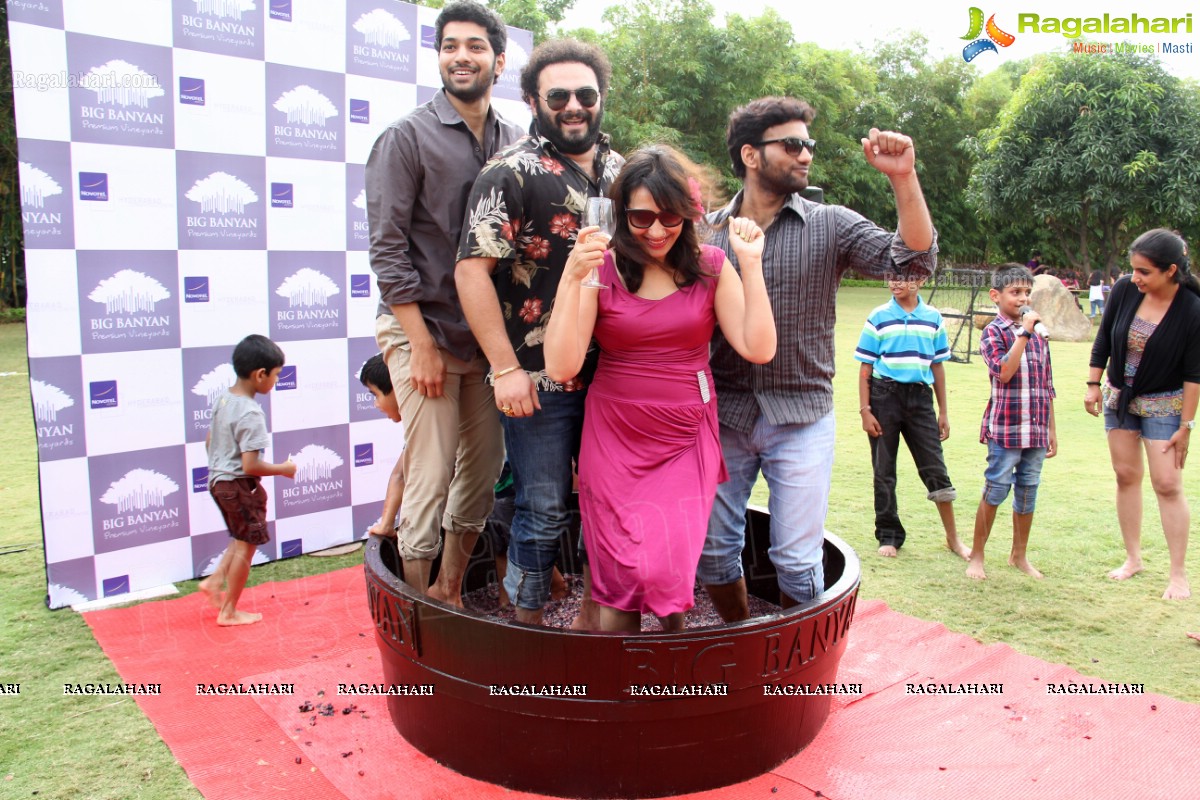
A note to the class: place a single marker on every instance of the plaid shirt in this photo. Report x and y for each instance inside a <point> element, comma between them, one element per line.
<point>807,249</point>
<point>1018,412</point>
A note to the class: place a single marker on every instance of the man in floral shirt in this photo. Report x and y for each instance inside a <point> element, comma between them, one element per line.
<point>522,219</point>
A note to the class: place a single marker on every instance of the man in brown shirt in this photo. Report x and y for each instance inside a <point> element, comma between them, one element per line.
<point>418,176</point>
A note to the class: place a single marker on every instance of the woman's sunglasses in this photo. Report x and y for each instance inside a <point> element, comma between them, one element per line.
<point>643,218</point>
<point>557,99</point>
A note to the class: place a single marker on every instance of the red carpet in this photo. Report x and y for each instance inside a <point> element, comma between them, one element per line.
<point>884,744</point>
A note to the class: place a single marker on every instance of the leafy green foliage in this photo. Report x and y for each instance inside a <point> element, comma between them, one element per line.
<point>12,236</point>
<point>1090,151</point>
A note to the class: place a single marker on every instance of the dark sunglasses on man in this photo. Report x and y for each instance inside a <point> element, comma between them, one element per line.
<point>557,99</point>
<point>643,218</point>
<point>792,145</point>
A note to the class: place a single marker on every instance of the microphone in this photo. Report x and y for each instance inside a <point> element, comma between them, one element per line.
<point>1038,327</point>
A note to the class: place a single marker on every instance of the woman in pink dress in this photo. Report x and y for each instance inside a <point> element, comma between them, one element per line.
<point>650,458</point>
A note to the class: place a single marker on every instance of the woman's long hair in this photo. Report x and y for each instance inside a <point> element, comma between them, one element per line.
<point>675,184</point>
<point>1162,248</point>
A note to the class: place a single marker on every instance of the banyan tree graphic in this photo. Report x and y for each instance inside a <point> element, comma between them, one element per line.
<point>138,490</point>
<point>222,193</point>
<point>381,29</point>
<point>122,84</point>
<point>36,185</point>
<point>304,105</point>
<point>307,287</point>
<point>515,57</point>
<point>61,596</point>
<point>315,463</point>
<point>224,8</point>
<point>360,202</point>
<point>212,384</point>
<point>129,291</point>
<point>48,400</point>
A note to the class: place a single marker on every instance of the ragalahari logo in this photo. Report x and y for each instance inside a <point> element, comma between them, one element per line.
<point>36,185</point>
<point>48,400</point>
<point>315,463</point>
<point>222,193</point>
<point>128,292</point>
<point>995,36</point>
<point>120,83</point>
<point>231,9</point>
<point>307,288</point>
<point>214,383</point>
<point>139,490</point>
<point>381,29</point>
<point>304,105</point>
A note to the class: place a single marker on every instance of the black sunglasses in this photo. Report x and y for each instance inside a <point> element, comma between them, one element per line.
<point>643,218</point>
<point>792,145</point>
<point>557,99</point>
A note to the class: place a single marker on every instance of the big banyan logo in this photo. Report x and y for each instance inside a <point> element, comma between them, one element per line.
<point>129,292</point>
<point>213,383</point>
<point>138,490</point>
<point>222,193</point>
<point>308,288</point>
<point>231,9</point>
<point>994,37</point>
<point>36,185</point>
<point>304,105</point>
<point>380,28</point>
<point>48,400</point>
<point>315,463</point>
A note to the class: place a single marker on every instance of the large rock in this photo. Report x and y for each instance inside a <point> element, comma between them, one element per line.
<point>1056,305</point>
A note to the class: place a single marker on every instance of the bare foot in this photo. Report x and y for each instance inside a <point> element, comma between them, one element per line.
<point>588,618</point>
<point>1126,570</point>
<point>1024,565</point>
<point>504,602</point>
<point>238,618</point>
<point>958,548</point>
<point>887,551</point>
<point>1177,589</point>
<point>1195,636</point>
<point>975,568</point>
<point>213,593</point>
<point>438,592</point>
<point>558,586</point>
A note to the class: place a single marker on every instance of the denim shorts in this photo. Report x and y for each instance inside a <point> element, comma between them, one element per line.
<point>1007,466</point>
<point>1157,428</point>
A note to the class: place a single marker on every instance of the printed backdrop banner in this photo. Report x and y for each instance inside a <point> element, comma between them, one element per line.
<point>192,172</point>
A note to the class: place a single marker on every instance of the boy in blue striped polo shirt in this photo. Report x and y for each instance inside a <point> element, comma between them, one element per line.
<point>902,347</point>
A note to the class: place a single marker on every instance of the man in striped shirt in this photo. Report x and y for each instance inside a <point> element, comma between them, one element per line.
<point>778,417</point>
<point>902,348</point>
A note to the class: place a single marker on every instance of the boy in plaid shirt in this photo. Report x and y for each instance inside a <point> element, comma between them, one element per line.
<point>1018,424</point>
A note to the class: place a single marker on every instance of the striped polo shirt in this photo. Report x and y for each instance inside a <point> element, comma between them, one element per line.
<point>902,345</point>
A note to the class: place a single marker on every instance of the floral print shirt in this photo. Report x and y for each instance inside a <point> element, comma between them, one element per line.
<point>525,211</point>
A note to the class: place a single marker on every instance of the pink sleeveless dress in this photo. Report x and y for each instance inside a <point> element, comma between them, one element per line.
<point>650,458</point>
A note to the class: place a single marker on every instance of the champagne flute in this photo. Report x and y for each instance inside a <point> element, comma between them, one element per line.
<point>598,212</point>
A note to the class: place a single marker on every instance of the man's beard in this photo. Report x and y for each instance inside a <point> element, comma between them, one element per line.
<point>469,94</point>
<point>574,145</point>
<point>781,181</point>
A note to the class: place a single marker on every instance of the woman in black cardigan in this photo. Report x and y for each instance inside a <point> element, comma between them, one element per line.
<point>1149,339</point>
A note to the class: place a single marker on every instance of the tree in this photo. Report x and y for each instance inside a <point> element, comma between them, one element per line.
<point>12,235</point>
<point>1092,150</point>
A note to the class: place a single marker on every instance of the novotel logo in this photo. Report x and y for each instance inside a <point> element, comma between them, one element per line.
<point>281,195</point>
<point>191,91</point>
<point>291,548</point>
<point>429,37</point>
<point>195,289</point>
<point>281,10</point>
<point>364,455</point>
<point>93,186</point>
<point>360,285</point>
<point>103,394</point>
<point>114,586</point>
<point>360,111</point>
<point>287,378</point>
<point>199,480</point>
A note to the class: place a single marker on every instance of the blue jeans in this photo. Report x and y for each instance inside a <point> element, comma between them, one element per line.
<point>1097,306</point>
<point>540,450</point>
<point>1157,428</point>
<point>1007,466</point>
<point>797,461</point>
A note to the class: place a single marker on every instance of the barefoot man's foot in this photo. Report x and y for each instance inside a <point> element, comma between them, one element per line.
<point>1195,636</point>
<point>975,569</point>
<point>588,618</point>
<point>438,592</point>
<point>887,551</point>
<point>212,592</point>
<point>238,618</point>
<point>958,548</point>
<point>1126,570</point>
<point>1177,589</point>
<point>1024,565</point>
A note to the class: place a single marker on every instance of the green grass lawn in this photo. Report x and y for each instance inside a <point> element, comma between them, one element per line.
<point>1120,632</point>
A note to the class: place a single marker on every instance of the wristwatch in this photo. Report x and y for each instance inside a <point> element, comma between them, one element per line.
<point>1187,423</point>
<point>1024,333</point>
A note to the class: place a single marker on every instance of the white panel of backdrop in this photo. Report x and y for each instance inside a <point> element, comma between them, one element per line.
<point>192,172</point>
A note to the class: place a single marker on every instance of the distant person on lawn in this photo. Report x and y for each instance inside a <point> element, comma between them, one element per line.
<point>236,438</point>
<point>902,349</point>
<point>1018,424</point>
